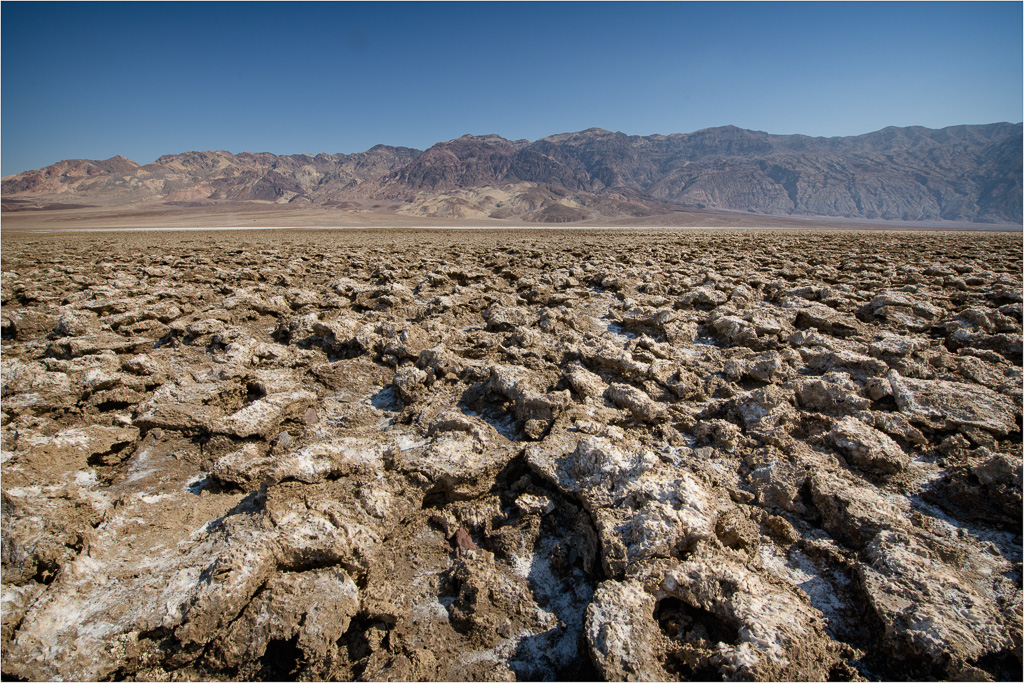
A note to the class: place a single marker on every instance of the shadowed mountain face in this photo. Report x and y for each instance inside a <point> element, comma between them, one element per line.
<point>962,173</point>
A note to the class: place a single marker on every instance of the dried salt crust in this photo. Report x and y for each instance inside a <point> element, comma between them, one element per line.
<point>676,454</point>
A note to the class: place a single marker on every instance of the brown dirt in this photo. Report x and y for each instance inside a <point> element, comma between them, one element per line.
<point>497,455</point>
<point>370,214</point>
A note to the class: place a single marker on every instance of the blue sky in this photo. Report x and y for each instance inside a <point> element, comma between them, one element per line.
<point>91,80</point>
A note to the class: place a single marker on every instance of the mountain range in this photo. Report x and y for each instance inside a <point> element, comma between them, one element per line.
<point>961,173</point>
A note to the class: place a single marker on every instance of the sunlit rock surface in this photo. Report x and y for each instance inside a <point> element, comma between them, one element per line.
<point>660,455</point>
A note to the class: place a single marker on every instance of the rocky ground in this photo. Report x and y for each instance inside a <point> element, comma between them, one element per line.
<point>512,455</point>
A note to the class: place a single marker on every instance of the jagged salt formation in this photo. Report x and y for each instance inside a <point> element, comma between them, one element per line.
<point>659,455</point>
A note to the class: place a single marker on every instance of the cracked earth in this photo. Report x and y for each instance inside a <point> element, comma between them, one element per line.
<point>516,455</point>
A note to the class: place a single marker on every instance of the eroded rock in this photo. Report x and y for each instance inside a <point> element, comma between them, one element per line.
<point>633,455</point>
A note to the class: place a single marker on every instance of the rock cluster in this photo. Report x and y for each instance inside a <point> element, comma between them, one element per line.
<point>475,455</point>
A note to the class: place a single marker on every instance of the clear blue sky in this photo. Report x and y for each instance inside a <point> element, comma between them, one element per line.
<point>91,80</point>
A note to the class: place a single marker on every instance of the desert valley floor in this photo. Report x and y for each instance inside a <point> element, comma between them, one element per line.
<point>506,454</point>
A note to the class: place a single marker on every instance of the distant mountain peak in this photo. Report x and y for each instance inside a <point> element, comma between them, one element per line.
<point>486,137</point>
<point>962,173</point>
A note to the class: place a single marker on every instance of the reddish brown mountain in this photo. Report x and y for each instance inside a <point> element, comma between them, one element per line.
<point>962,173</point>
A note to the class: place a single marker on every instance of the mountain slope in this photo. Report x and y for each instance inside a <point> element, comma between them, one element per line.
<point>962,173</point>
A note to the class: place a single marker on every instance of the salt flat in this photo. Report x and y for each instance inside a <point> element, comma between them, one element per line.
<point>497,454</point>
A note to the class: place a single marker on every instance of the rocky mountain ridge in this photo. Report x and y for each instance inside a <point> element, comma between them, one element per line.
<point>961,173</point>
